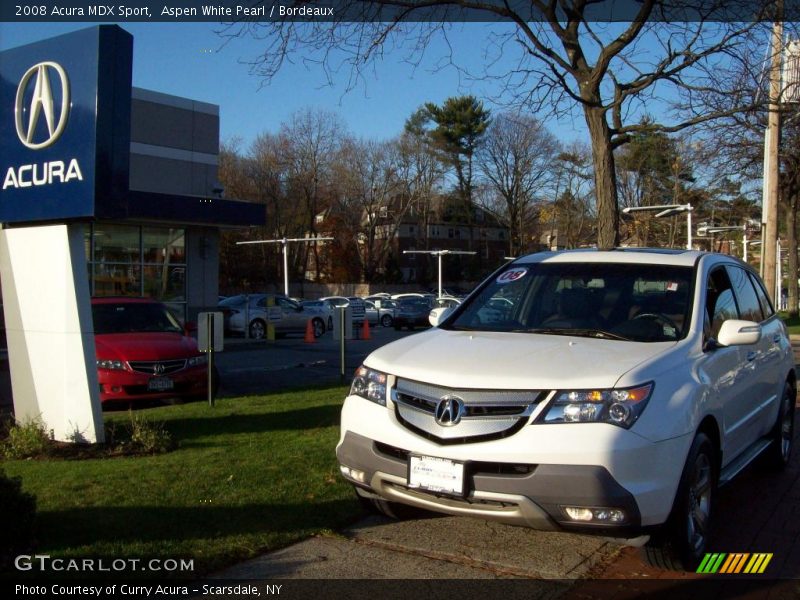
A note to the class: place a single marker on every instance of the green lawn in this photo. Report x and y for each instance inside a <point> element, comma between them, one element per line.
<point>249,475</point>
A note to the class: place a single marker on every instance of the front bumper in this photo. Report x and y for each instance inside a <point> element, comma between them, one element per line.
<point>533,498</point>
<point>129,386</point>
<point>527,478</point>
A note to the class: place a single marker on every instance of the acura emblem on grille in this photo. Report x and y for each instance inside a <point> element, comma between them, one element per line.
<point>449,411</point>
<point>158,369</point>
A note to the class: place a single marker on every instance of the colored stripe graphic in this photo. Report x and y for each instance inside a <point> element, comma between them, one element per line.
<point>737,562</point>
<point>758,564</point>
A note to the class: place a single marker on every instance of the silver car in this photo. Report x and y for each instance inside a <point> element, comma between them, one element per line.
<point>380,312</point>
<point>250,313</point>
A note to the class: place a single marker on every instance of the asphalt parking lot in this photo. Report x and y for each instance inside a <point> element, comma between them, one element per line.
<point>757,512</point>
<point>259,366</point>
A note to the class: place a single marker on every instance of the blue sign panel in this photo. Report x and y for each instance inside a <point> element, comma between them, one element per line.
<point>65,127</point>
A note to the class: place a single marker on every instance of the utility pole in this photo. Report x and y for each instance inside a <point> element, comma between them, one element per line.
<point>770,245</point>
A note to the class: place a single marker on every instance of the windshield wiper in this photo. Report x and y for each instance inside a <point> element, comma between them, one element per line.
<point>597,333</point>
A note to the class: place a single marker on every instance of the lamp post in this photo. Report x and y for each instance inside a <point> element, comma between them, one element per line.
<point>438,253</point>
<point>702,231</point>
<point>667,210</point>
<point>285,242</point>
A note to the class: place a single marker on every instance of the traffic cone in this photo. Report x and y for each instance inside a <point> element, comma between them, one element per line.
<point>365,334</point>
<point>310,339</point>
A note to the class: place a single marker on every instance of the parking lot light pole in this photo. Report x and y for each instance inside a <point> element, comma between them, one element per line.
<point>438,253</point>
<point>704,231</point>
<point>285,242</point>
<point>667,210</point>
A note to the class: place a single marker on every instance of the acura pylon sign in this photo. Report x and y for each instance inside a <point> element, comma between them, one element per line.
<point>64,160</point>
<point>65,129</point>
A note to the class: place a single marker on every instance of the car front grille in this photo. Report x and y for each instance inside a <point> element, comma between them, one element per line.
<point>158,367</point>
<point>487,414</point>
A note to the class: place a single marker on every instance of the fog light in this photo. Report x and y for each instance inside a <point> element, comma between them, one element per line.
<point>594,515</point>
<point>578,514</point>
<point>353,474</point>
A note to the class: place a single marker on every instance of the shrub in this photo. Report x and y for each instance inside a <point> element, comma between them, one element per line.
<point>146,436</point>
<point>26,439</point>
<point>19,511</point>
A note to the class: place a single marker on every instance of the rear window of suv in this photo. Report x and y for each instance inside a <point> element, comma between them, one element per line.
<point>635,302</point>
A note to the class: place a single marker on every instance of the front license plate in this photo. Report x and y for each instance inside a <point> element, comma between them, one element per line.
<point>160,384</point>
<point>436,474</point>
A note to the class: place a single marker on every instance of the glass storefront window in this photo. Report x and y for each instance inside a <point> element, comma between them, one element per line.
<point>127,260</point>
<point>117,279</point>
<point>116,244</point>
<point>166,283</point>
<point>162,245</point>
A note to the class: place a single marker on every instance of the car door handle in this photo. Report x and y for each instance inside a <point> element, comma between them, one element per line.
<point>751,356</point>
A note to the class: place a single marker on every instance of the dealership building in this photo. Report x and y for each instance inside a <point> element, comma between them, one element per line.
<point>106,190</point>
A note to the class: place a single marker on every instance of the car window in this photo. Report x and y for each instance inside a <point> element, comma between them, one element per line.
<point>286,303</point>
<point>233,301</point>
<point>635,302</point>
<point>763,299</point>
<point>720,301</point>
<point>746,298</point>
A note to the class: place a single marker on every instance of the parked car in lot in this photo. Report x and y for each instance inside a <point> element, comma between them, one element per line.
<point>143,352</point>
<point>381,312</point>
<point>320,307</point>
<point>609,393</point>
<point>411,312</point>
<point>251,313</point>
<point>446,302</point>
<point>429,298</point>
<point>356,303</point>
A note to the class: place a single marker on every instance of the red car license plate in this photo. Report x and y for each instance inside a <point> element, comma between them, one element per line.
<point>160,384</point>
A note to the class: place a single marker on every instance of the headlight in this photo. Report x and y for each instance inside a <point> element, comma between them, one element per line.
<point>196,361</point>
<point>618,407</point>
<point>114,365</point>
<point>369,384</point>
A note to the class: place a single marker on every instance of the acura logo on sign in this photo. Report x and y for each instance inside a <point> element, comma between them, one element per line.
<point>449,411</point>
<point>42,105</point>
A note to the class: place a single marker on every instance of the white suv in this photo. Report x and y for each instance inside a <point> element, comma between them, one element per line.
<point>595,392</point>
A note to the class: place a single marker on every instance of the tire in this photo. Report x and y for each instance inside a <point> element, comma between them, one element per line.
<point>779,452</point>
<point>386,321</point>
<point>394,510</point>
<point>682,542</point>
<point>258,329</point>
<point>318,326</point>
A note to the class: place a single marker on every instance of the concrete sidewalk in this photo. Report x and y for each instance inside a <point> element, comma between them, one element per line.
<point>432,548</point>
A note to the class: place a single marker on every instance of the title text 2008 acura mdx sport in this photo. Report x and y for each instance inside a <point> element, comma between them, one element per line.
<point>603,392</point>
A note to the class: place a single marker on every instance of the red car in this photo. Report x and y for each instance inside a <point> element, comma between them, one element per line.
<point>143,352</point>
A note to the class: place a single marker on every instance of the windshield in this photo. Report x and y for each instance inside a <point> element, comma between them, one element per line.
<point>634,302</point>
<point>133,317</point>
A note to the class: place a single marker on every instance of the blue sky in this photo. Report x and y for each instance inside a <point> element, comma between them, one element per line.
<point>190,59</point>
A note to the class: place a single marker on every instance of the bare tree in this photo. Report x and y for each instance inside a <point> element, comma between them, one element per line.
<point>314,140</point>
<point>373,200</point>
<point>516,157</point>
<point>565,61</point>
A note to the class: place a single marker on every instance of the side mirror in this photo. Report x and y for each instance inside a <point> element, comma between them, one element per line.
<point>438,316</point>
<point>189,328</point>
<point>735,332</point>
